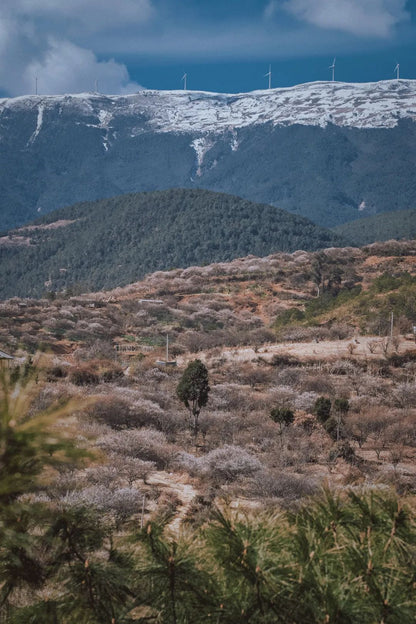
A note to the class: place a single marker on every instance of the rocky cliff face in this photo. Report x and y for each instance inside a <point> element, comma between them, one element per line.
<point>329,151</point>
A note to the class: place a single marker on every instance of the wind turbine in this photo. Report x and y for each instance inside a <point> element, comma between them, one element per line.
<point>269,74</point>
<point>397,70</point>
<point>333,69</point>
<point>184,77</point>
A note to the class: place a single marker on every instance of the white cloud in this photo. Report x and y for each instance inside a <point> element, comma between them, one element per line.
<point>67,68</point>
<point>367,18</point>
<point>51,39</point>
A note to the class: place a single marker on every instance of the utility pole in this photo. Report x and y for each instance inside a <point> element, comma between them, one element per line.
<point>391,325</point>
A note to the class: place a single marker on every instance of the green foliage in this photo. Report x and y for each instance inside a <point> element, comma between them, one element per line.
<point>342,405</point>
<point>387,282</point>
<point>116,241</point>
<point>45,545</point>
<point>174,586</point>
<point>282,415</point>
<point>322,408</point>
<point>193,389</point>
<point>381,227</point>
<point>330,301</point>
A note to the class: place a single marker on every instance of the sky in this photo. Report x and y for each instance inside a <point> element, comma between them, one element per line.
<point>122,46</point>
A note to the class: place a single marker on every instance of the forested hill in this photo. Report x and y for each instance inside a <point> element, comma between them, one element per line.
<point>116,241</point>
<point>389,225</point>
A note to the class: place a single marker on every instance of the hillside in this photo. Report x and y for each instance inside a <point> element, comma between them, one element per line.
<point>327,151</point>
<point>299,475</point>
<point>112,242</point>
<point>397,225</point>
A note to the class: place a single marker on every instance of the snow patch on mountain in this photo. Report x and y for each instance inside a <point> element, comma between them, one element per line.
<point>105,118</point>
<point>39,123</point>
<point>360,105</point>
<point>201,146</point>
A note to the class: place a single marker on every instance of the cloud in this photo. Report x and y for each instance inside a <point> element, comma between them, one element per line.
<point>67,68</point>
<point>52,39</point>
<point>365,18</point>
<point>87,15</point>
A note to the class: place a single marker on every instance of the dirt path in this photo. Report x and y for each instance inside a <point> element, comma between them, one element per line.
<point>361,347</point>
<point>177,484</point>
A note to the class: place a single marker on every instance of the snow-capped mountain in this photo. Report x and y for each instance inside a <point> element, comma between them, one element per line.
<point>323,149</point>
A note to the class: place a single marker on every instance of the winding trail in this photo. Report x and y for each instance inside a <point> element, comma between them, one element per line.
<point>177,484</point>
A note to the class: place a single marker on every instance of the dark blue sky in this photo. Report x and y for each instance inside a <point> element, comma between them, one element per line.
<point>222,45</point>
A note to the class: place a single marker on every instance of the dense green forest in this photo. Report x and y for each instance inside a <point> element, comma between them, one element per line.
<point>386,226</point>
<point>117,241</point>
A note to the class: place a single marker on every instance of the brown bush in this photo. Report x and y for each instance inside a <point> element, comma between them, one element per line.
<point>84,375</point>
<point>94,371</point>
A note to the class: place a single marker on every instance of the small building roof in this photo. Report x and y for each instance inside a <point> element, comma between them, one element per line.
<point>5,356</point>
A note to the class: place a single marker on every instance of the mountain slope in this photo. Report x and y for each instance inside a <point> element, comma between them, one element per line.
<point>400,224</point>
<point>328,151</point>
<point>114,242</point>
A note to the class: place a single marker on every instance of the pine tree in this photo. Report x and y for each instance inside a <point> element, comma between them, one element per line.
<point>193,390</point>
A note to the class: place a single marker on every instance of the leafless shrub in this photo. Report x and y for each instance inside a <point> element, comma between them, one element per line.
<point>378,421</point>
<point>230,462</point>
<point>372,346</point>
<point>217,427</point>
<point>358,428</point>
<point>146,444</point>
<point>405,395</point>
<point>66,481</point>
<point>343,367</point>
<point>290,377</point>
<point>121,503</point>
<point>223,464</point>
<point>296,334</point>
<point>276,484</point>
<point>106,476</point>
<point>305,401</point>
<point>341,331</point>
<point>253,375</point>
<point>155,374</point>
<point>227,396</point>
<point>112,411</point>
<point>130,468</point>
<point>119,412</point>
<point>317,383</point>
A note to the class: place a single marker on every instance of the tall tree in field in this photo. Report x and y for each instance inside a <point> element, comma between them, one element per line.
<point>193,390</point>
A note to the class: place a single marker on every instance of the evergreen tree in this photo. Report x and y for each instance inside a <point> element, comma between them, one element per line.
<point>193,390</point>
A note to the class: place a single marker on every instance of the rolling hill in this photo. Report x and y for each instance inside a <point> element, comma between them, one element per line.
<point>113,242</point>
<point>400,224</point>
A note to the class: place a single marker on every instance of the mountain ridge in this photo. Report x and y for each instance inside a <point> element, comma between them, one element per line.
<point>387,102</point>
<point>328,151</point>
